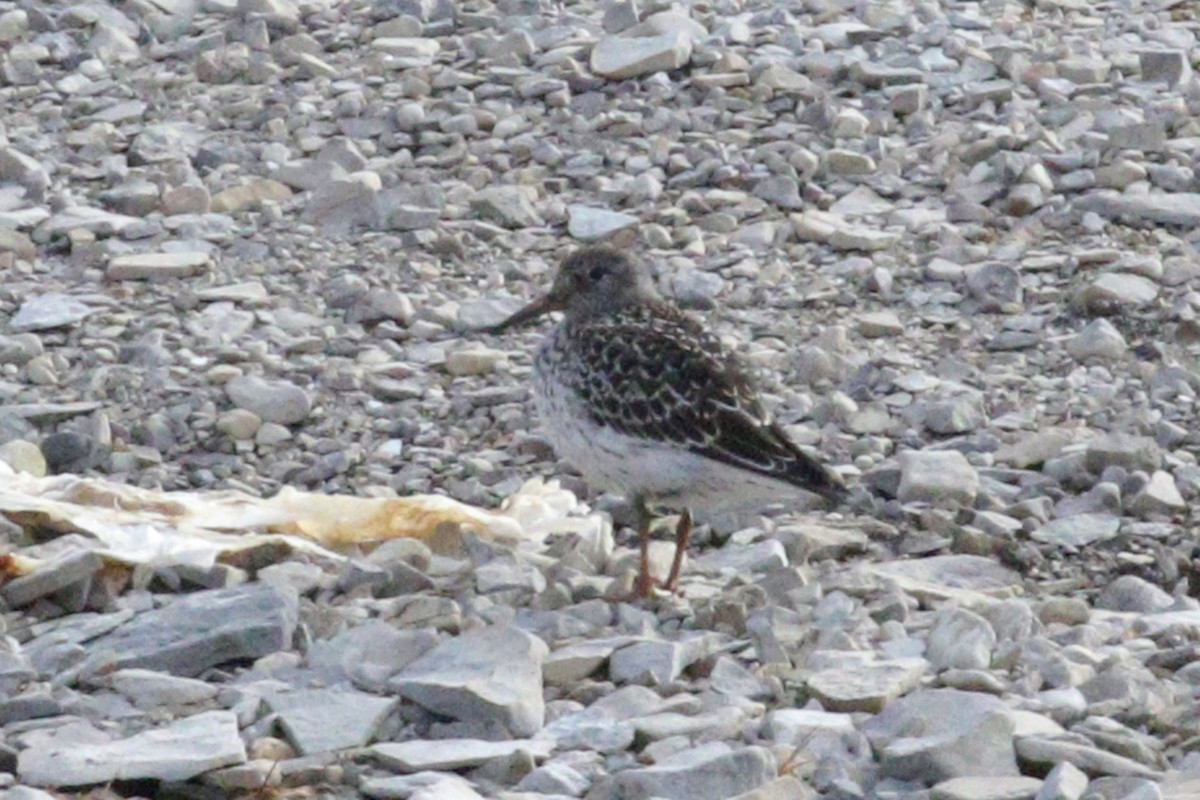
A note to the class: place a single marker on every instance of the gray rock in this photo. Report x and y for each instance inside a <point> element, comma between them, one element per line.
<point>275,401</point>
<point>1078,530</point>
<point>77,754</point>
<point>761,556</point>
<point>201,630</point>
<point>485,675</point>
<point>1131,593</point>
<point>69,452</point>
<point>656,663</point>
<point>572,663</point>
<point>621,57</point>
<point>880,324</point>
<point>48,311</point>
<point>729,677</point>
<point>27,793</point>
<point>1122,450</point>
<point>324,720</point>
<point>959,414</point>
<point>555,778</point>
<point>157,266</point>
<point>148,689</point>
<point>941,477</point>
<point>1160,497</point>
<point>782,190</point>
<point>25,171</point>
<point>1065,782</point>
<point>165,141</point>
<point>1099,340</point>
<point>369,654</point>
<point>868,685</point>
<point>1170,66</point>
<point>940,734</point>
<point>344,202</point>
<point>1165,208</point>
<point>995,285</point>
<point>453,754</point>
<point>1115,290</point>
<point>795,726</point>
<point>960,639</point>
<point>72,573</point>
<point>590,224</point>
<point>1040,752</point>
<point>708,772</point>
<point>963,578</point>
<point>1016,787</point>
<point>1125,788</point>
<point>510,206</point>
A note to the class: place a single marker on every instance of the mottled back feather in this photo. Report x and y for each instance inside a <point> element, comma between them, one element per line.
<point>652,372</point>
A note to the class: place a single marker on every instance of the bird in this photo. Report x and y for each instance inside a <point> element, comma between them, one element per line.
<point>647,403</point>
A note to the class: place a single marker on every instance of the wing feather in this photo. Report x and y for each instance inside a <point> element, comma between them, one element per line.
<point>654,373</point>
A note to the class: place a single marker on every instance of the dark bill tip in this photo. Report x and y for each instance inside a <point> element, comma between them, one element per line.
<point>539,307</point>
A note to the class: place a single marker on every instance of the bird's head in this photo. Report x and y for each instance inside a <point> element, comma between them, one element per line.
<point>590,282</point>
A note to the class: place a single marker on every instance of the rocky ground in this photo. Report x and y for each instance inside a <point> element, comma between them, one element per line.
<point>244,244</point>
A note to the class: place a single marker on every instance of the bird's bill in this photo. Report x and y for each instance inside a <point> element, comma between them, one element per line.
<point>543,305</point>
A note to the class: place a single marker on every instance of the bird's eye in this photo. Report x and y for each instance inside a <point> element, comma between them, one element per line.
<point>597,273</point>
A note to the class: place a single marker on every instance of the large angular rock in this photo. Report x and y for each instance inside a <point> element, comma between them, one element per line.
<point>941,477</point>
<point>26,171</point>
<point>866,686</point>
<point>485,675</point>
<point>510,206</point>
<point>936,735</point>
<point>78,754</point>
<point>1165,208</point>
<point>656,663</point>
<point>709,772</point>
<point>960,639</point>
<point>621,57</point>
<point>1079,530</point>
<point>275,401</point>
<point>443,755</point>
<point>369,654</point>
<point>324,720</point>
<point>201,630</point>
<point>46,311</point>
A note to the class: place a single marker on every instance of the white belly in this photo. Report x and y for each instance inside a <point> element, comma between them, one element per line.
<point>611,461</point>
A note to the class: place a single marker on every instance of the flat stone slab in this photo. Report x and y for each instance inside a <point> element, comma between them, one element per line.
<point>454,754</point>
<point>1078,530</point>
<point>656,663</point>
<point>868,686</point>
<point>1048,752</point>
<point>709,772</point>
<point>1013,787</point>
<point>487,674</point>
<point>1165,208</point>
<point>574,662</point>
<point>323,720</point>
<point>951,577</point>
<point>621,57</point>
<point>201,630</point>
<point>157,266</point>
<point>47,311</point>
<point>77,754</point>
<point>590,224</point>
<point>52,412</point>
<point>72,568</point>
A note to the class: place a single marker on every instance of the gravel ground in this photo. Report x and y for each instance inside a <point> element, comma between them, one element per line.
<point>244,245</point>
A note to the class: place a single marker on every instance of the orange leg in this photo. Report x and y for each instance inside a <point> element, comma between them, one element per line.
<point>683,535</point>
<point>645,583</point>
